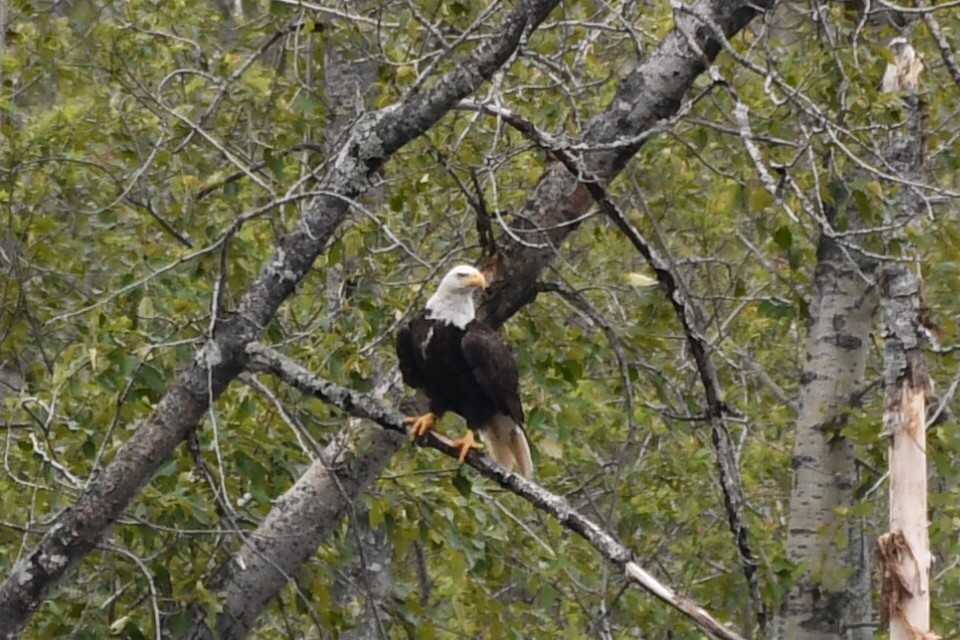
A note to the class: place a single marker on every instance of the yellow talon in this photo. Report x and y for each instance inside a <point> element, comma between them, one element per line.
<point>421,424</point>
<point>466,443</point>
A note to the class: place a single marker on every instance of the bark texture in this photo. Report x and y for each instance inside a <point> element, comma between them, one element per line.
<point>645,100</point>
<point>824,601</point>
<point>372,141</point>
<point>905,551</point>
<point>293,529</point>
<point>832,599</point>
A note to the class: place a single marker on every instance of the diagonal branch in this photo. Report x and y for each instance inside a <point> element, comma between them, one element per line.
<point>374,138</point>
<point>263,358</point>
<point>691,318</point>
<point>949,59</point>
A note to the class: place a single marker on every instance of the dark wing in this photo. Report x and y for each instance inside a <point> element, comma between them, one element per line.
<point>494,368</point>
<point>411,364</point>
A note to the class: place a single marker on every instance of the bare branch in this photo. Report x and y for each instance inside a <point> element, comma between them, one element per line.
<point>691,318</point>
<point>263,358</point>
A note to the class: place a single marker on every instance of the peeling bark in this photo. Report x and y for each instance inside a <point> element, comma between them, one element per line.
<point>373,140</point>
<point>905,552</point>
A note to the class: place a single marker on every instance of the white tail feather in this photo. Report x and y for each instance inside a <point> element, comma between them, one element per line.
<point>508,445</point>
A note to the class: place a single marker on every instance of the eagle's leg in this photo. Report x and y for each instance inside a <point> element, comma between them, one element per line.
<point>465,444</point>
<point>421,424</point>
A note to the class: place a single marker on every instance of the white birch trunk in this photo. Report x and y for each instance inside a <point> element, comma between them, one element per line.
<point>829,598</point>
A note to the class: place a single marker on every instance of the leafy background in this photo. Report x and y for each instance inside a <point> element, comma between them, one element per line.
<point>103,303</point>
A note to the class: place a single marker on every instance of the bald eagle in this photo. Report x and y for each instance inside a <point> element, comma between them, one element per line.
<point>464,366</point>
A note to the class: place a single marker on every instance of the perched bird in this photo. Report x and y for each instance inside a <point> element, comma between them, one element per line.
<point>904,73</point>
<point>464,366</point>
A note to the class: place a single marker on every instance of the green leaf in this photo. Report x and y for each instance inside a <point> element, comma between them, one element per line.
<point>783,237</point>
<point>551,448</point>
<point>462,483</point>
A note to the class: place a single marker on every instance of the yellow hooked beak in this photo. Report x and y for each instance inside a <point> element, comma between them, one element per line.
<point>476,280</point>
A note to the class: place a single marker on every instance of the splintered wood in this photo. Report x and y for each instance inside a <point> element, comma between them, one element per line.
<point>899,576</point>
<point>904,552</point>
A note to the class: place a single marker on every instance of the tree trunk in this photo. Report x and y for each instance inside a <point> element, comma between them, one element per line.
<point>824,604</point>
<point>825,600</point>
<point>904,552</point>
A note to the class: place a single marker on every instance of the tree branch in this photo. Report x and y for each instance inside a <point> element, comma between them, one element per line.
<point>949,60</point>
<point>263,358</point>
<point>647,99</point>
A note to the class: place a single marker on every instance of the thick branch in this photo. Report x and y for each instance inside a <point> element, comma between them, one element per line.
<point>372,141</point>
<point>949,59</point>
<point>646,100</point>
<point>361,405</point>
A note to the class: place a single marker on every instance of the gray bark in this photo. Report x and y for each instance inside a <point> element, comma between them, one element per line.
<point>841,316</point>
<point>832,599</point>
<point>645,100</point>
<point>373,140</point>
<point>293,529</point>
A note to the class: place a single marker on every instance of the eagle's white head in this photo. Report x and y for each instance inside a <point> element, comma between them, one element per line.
<point>453,301</point>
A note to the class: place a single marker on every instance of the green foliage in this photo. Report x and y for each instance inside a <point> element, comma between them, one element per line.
<point>123,120</point>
